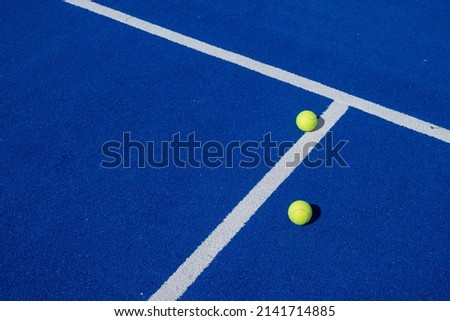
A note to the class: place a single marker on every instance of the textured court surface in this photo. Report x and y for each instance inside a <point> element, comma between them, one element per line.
<point>72,79</point>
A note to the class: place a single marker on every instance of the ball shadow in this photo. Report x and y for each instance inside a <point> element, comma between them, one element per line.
<point>316,214</point>
<point>320,123</point>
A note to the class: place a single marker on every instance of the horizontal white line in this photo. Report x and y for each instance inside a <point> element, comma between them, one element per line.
<point>200,259</point>
<point>270,71</point>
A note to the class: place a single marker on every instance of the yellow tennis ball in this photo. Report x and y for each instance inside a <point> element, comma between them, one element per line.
<point>300,212</point>
<point>306,120</point>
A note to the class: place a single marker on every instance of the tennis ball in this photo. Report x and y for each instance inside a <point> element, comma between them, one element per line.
<point>300,212</point>
<point>306,120</point>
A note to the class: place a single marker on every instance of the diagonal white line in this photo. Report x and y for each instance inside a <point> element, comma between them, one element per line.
<point>200,259</point>
<point>270,71</point>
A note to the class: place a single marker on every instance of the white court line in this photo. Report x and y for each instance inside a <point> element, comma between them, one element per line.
<point>187,273</point>
<point>270,71</point>
<point>200,259</point>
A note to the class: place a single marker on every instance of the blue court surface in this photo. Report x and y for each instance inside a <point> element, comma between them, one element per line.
<point>75,75</point>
